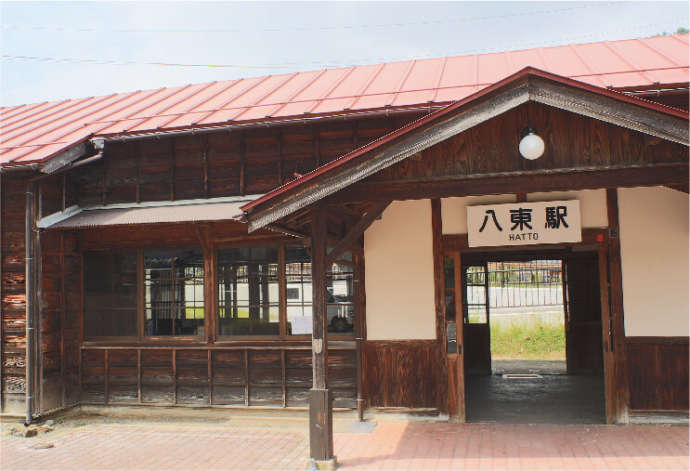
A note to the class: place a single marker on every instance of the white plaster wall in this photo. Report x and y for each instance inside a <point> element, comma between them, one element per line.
<point>592,207</point>
<point>399,273</point>
<point>454,210</point>
<point>654,259</point>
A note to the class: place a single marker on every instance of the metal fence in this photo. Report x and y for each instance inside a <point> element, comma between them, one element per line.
<point>534,283</point>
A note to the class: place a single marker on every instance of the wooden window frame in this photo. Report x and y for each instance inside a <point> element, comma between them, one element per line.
<point>211,306</point>
<point>141,337</point>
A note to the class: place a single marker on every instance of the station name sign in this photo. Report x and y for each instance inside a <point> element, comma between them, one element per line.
<point>525,223</point>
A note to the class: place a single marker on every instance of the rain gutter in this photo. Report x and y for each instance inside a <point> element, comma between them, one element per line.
<point>267,123</point>
<point>29,281</point>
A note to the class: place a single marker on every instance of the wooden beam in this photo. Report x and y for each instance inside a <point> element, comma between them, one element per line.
<point>355,232</point>
<point>680,187</point>
<point>517,182</point>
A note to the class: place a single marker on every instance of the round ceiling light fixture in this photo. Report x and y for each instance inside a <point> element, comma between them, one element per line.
<point>531,145</point>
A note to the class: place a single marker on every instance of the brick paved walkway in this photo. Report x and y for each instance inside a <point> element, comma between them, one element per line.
<point>395,445</point>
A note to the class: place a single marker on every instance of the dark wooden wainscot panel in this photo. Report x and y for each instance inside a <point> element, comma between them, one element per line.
<point>404,374</point>
<point>273,376</point>
<point>658,369</point>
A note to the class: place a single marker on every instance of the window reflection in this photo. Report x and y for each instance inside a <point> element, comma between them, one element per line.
<point>248,291</point>
<point>174,292</point>
<point>110,294</point>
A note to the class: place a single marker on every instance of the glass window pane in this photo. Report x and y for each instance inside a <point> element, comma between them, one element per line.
<point>298,281</point>
<point>475,295</point>
<point>174,292</point>
<point>340,305</point>
<point>248,291</point>
<point>110,294</point>
<point>449,277</point>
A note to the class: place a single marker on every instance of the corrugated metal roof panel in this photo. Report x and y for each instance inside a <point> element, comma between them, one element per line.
<point>459,72</point>
<point>674,48</point>
<point>30,133</point>
<point>152,215</point>
<point>678,75</point>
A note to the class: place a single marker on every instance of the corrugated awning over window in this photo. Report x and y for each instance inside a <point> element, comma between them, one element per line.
<point>147,213</point>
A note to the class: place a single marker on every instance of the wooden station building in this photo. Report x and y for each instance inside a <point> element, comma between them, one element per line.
<point>303,240</point>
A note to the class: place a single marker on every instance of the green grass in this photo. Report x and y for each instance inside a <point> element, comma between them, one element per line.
<point>527,341</point>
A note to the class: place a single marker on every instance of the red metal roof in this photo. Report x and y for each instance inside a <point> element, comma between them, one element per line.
<point>339,162</point>
<point>36,132</point>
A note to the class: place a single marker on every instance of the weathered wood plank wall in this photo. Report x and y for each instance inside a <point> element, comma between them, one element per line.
<point>246,162</point>
<point>658,373</point>
<point>13,293</point>
<point>572,141</point>
<point>170,168</point>
<point>405,373</point>
<point>274,376</point>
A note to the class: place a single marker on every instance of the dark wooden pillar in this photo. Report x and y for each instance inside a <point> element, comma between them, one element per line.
<point>321,401</point>
<point>617,328</point>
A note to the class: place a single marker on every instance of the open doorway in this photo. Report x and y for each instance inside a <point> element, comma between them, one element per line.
<point>532,337</point>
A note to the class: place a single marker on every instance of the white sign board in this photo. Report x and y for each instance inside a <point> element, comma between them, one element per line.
<point>525,223</point>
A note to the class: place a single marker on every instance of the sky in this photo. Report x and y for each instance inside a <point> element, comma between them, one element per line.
<point>55,50</point>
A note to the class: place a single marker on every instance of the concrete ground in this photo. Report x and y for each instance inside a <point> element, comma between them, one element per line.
<point>202,440</point>
<point>553,398</point>
<point>550,399</point>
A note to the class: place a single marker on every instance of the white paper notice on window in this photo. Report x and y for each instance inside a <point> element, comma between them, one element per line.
<point>301,325</point>
<point>524,223</point>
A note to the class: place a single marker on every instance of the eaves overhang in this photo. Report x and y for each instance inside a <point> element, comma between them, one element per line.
<point>529,84</point>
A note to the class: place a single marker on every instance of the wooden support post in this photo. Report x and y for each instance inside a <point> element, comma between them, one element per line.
<point>106,375</point>
<point>445,403</point>
<point>174,372</point>
<point>360,329</point>
<point>283,376</point>
<point>282,288</point>
<point>622,387</point>
<point>246,377</point>
<point>209,354</point>
<point>139,375</point>
<point>321,401</point>
<point>456,362</point>
<point>63,321</point>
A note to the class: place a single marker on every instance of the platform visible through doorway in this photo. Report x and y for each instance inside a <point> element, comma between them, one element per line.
<point>553,397</point>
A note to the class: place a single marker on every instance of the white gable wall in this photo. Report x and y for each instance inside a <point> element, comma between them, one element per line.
<point>399,273</point>
<point>592,207</point>
<point>654,258</point>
